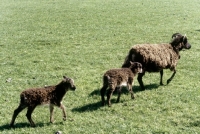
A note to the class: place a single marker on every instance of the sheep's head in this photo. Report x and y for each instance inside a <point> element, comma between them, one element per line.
<point>136,67</point>
<point>68,83</point>
<point>179,41</point>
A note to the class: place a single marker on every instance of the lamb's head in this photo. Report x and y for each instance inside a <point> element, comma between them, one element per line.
<point>136,67</point>
<point>68,83</point>
<point>179,41</point>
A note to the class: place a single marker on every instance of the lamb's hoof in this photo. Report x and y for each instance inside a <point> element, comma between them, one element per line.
<point>102,104</point>
<point>109,105</point>
<point>11,125</point>
<point>33,125</point>
<point>142,88</point>
<point>64,118</point>
<point>161,84</point>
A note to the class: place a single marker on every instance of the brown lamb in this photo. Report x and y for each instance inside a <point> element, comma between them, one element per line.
<point>51,95</point>
<point>156,57</point>
<point>116,78</point>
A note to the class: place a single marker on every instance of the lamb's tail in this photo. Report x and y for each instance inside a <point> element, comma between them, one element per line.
<point>23,99</point>
<point>108,79</point>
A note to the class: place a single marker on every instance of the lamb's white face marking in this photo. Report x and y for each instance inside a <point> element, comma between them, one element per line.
<point>72,81</point>
<point>140,71</point>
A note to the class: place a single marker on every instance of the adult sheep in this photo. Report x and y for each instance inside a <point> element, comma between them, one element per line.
<point>156,57</point>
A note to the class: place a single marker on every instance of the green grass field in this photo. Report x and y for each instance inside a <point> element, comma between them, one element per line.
<point>43,40</point>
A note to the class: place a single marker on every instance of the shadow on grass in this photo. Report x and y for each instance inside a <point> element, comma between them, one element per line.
<point>17,125</point>
<point>124,89</point>
<point>27,125</point>
<point>5,127</point>
<point>97,105</point>
<point>194,124</point>
<point>147,87</point>
<point>88,107</point>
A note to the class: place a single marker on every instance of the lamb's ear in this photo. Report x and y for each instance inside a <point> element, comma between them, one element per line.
<point>131,63</point>
<point>65,78</point>
<point>184,37</point>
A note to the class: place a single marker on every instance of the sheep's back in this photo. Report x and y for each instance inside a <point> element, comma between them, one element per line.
<point>119,75</point>
<point>37,95</point>
<point>154,57</point>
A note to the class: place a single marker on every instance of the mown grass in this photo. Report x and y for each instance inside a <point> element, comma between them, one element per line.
<point>43,40</point>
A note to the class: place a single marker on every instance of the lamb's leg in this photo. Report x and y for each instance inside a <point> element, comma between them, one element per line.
<point>63,110</point>
<point>51,108</point>
<point>169,80</point>
<point>28,115</point>
<point>161,77</point>
<point>109,94</point>
<point>119,94</point>
<point>139,78</point>
<point>103,90</point>
<point>131,91</point>
<point>16,112</point>
<point>129,86</point>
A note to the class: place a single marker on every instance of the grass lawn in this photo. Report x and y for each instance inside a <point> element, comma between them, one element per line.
<point>43,40</point>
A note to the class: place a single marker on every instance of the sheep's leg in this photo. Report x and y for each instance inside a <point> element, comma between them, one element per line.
<point>63,110</point>
<point>109,94</point>
<point>119,94</point>
<point>16,112</point>
<point>139,78</point>
<point>29,113</point>
<point>103,90</point>
<point>51,108</point>
<point>161,77</point>
<point>169,80</point>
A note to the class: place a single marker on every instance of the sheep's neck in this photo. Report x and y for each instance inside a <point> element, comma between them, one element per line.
<point>176,49</point>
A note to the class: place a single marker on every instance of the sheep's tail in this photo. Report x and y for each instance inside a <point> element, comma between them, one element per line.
<point>129,57</point>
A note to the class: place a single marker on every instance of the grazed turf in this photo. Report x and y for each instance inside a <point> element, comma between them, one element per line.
<point>43,40</point>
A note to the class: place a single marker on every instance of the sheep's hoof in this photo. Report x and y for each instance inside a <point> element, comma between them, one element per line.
<point>168,81</point>
<point>132,97</point>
